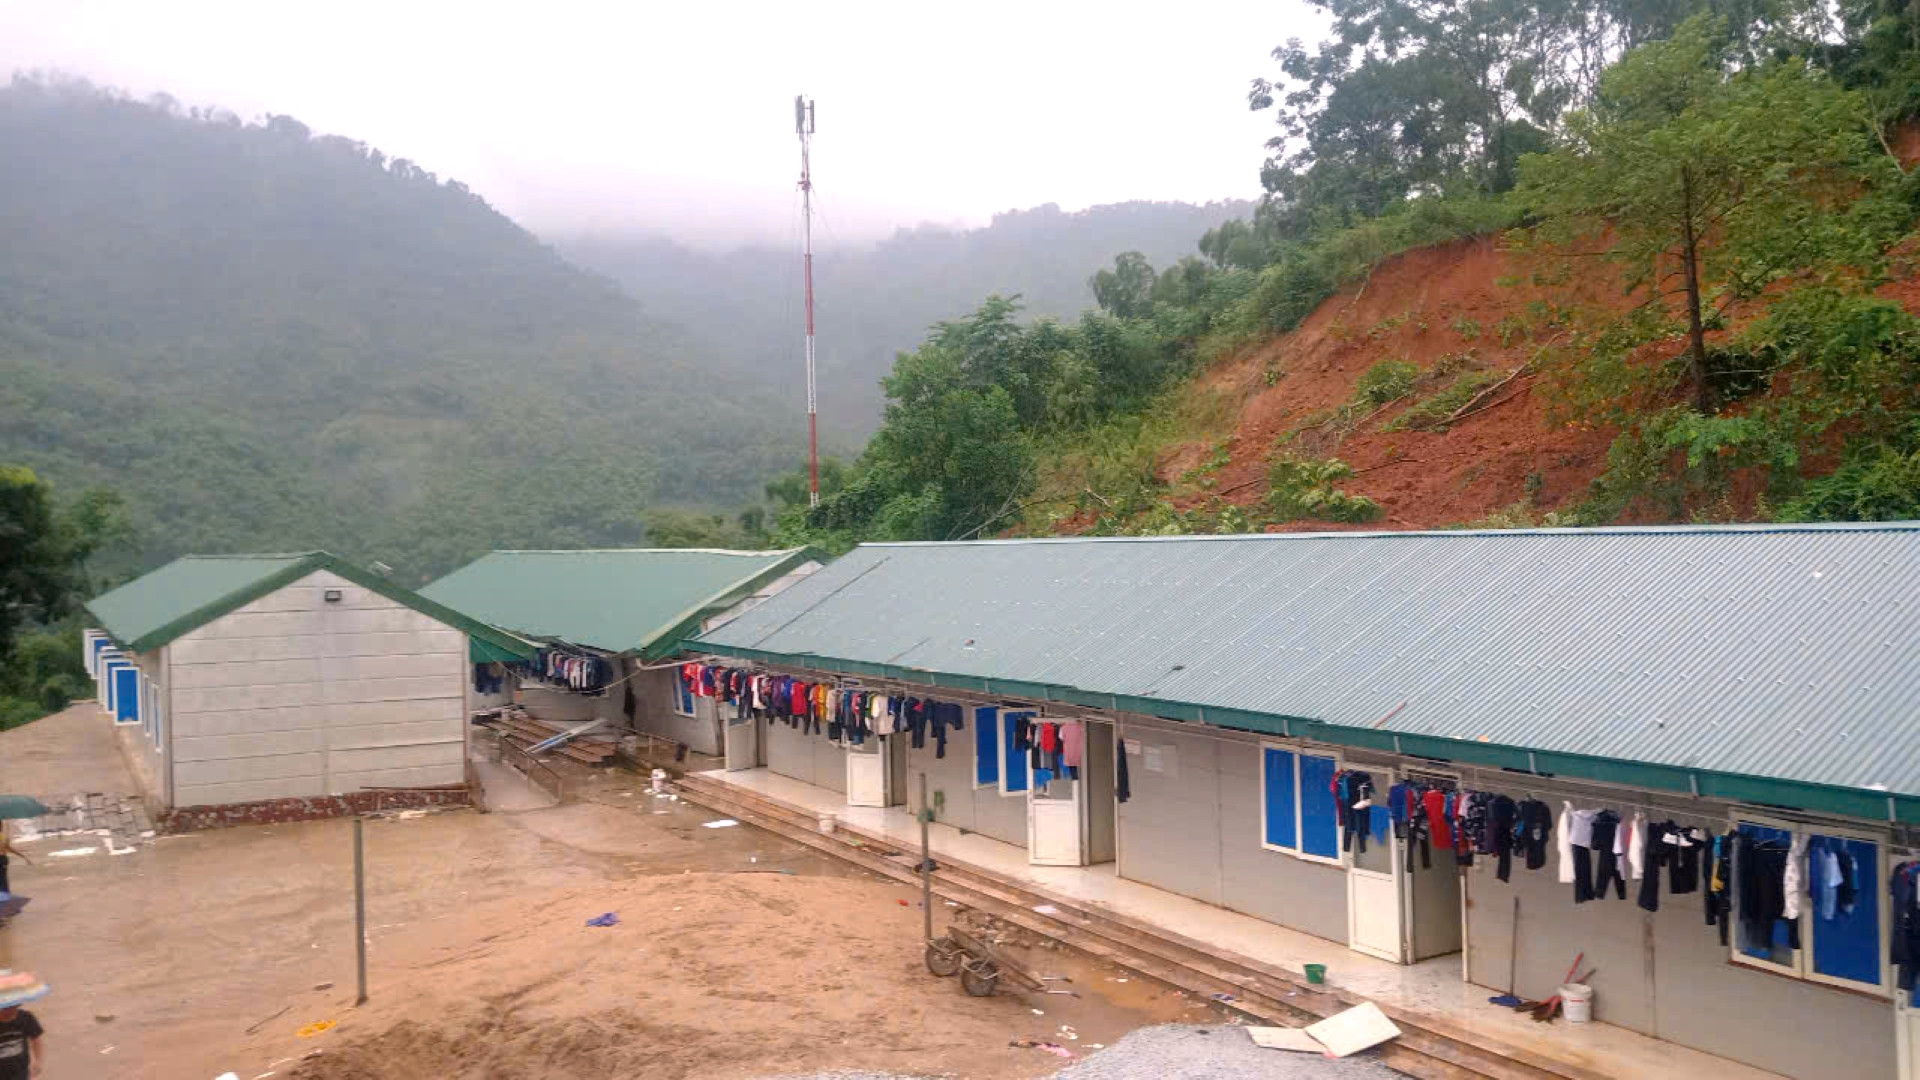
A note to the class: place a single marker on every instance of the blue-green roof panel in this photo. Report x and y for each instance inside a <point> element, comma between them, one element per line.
<point>1787,652</point>
<point>615,600</point>
<point>147,605</point>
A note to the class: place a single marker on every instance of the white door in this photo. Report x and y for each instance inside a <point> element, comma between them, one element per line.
<point>867,774</point>
<point>1057,823</point>
<point>1376,921</point>
<point>742,737</point>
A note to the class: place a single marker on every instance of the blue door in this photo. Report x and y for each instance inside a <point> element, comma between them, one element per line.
<point>126,695</point>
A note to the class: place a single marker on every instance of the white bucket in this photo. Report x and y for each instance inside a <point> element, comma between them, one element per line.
<point>1578,998</point>
<point>659,780</point>
<point>827,824</point>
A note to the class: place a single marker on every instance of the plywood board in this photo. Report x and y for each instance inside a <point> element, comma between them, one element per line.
<point>1354,1030</point>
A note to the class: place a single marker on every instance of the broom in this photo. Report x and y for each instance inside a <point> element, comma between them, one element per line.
<point>1550,1008</point>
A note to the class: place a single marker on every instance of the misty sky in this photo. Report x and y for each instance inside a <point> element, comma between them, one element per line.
<point>678,116</point>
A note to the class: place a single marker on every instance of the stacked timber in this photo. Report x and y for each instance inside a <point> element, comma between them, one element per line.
<point>524,730</point>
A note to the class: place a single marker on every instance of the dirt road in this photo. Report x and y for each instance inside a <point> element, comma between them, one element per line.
<point>203,953</point>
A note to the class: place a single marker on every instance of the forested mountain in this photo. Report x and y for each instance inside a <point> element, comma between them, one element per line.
<point>873,303</point>
<point>269,340</point>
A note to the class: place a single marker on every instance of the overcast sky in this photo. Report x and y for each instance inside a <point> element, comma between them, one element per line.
<point>678,116</point>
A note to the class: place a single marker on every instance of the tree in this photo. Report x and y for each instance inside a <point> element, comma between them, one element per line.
<point>38,571</point>
<point>1688,168</point>
<point>44,555</point>
<point>670,528</point>
<point>1127,289</point>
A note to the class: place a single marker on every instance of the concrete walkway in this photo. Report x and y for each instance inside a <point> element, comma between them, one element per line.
<point>71,761</point>
<point>1433,988</point>
<point>72,751</point>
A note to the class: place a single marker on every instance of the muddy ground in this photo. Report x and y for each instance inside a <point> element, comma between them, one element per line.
<point>737,954</point>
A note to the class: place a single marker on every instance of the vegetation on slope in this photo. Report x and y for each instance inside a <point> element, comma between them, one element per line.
<point>1737,176</point>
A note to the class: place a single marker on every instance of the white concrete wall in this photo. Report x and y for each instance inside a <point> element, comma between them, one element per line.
<point>1194,828</point>
<point>811,759</point>
<point>654,695</point>
<point>294,696</point>
<point>1665,973</point>
<point>950,785</point>
<point>144,755</point>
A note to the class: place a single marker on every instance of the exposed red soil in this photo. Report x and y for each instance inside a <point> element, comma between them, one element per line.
<point>1424,306</point>
<point>1414,307</point>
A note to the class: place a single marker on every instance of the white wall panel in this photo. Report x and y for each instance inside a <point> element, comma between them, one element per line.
<point>295,695</point>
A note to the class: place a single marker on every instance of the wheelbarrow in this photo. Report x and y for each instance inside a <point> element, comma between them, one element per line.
<point>979,965</point>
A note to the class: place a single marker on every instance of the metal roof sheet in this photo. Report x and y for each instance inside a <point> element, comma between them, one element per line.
<point>135,611</point>
<point>194,590</point>
<point>616,600</point>
<point>1789,652</point>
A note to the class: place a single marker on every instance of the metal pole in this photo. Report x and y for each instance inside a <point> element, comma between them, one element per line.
<point>360,906</point>
<point>803,121</point>
<point>926,858</point>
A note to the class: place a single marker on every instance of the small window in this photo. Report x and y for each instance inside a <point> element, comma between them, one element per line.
<point>1843,916</point>
<point>1282,825</point>
<point>1298,812</point>
<point>1841,928</point>
<point>986,747</point>
<point>682,697</point>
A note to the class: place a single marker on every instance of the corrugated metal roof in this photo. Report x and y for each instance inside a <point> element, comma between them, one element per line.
<point>134,612</point>
<point>1785,652</point>
<point>194,590</point>
<point>616,600</point>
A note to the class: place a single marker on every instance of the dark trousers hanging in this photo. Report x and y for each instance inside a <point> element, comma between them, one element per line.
<point>1607,864</point>
<point>1582,874</point>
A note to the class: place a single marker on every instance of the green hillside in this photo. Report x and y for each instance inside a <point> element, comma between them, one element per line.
<point>267,339</point>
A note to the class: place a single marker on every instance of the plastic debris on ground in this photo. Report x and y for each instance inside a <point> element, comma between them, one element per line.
<point>1047,1047</point>
<point>723,823</point>
<point>318,1027</point>
<point>611,918</point>
<point>1046,909</point>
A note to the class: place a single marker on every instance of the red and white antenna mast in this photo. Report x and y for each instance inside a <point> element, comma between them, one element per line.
<point>803,126</point>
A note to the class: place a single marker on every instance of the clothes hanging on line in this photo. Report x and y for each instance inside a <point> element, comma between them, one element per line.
<point>1903,946</point>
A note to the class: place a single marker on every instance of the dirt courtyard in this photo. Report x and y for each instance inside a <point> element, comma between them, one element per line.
<point>737,953</point>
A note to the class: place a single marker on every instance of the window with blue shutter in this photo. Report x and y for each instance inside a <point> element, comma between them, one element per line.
<point>1319,814</point>
<point>1277,792</point>
<point>1013,761</point>
<point>986,746</point>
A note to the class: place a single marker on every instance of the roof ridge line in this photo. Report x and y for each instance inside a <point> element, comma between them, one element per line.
<point>1729,529</point>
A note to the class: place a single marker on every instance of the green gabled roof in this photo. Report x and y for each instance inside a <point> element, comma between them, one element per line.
<point>194,590</point>
<point>628,600</point>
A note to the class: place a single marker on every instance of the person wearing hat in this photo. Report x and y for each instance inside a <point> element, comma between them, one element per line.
<point>21,1049</point>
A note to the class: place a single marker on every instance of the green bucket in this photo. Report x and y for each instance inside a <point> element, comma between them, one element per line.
<point>1317,974</point>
